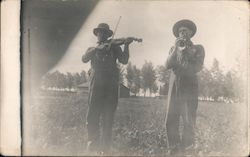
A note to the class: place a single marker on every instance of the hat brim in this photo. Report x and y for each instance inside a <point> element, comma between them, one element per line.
<point>107,31</point>
<point>184,23</point>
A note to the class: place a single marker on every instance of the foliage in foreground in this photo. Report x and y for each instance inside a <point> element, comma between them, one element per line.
<point>58,126</point>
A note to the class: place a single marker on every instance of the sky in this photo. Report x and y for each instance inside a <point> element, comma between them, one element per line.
<point>222,28</point>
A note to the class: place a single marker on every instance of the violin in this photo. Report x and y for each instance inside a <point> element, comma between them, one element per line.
<point>121,41</point>
<point>117,42</point>
<point>104,49</point>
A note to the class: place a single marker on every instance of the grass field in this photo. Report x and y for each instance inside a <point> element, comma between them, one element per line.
<point>55,125</point>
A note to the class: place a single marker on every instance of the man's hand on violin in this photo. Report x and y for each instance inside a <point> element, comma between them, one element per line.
<point>103,46</point>
<point>101,50</point>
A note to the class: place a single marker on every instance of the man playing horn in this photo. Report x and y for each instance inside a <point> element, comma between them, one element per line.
<point>185,60</point>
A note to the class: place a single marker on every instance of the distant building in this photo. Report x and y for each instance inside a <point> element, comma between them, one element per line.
<point>124,91</point>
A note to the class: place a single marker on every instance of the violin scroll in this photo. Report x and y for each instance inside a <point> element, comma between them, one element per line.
<point>135,39</point>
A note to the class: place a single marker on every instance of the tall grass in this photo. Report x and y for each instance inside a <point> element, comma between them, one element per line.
<point>58,126</point>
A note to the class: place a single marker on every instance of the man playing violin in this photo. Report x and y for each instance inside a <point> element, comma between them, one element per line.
<point>185,60</point>
<point>103,89</point>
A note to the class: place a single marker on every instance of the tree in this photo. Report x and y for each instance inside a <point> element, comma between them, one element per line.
<point>238,84</point>
<point>47,81</point>
<point>69,80</point>
<point>57,79</point>
<point>83,76</point>
<point>216,87</point>
<point>133,76</point>
<point>61,80</point>
<point>121,73</point>
<point>130,75</point>
<point>229,86</point>
<point>163,75</point>
<point>205,82</point>
<point>154,88</point>
<point>76,79</point>
<point>136,80</point>
<point>148,77</point>
<point>240,79</point>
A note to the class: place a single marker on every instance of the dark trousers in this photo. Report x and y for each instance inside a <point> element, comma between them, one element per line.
<point>185,108</point>
<point>96,112</point>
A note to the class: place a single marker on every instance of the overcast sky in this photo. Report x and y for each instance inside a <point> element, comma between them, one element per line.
<point>222,28</point>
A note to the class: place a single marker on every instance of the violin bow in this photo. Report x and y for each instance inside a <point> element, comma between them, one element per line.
<point>121,67</point>
<point>112,37</point>
<point>116,27</point>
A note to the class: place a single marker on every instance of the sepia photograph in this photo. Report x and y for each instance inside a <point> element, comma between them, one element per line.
<point>134,78</point>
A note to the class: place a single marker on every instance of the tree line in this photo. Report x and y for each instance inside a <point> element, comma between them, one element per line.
<point>62,81</point>
<point>213,82</point>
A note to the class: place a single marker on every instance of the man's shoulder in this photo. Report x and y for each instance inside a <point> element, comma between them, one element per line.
<point>200,48</point>
<point>90,49</point>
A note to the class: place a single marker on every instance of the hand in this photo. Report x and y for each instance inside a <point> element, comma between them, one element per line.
<point>128,41</point>
<point>177,41</point>
<point>180,43</point>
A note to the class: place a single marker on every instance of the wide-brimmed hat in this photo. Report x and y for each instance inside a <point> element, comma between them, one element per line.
<point>104,27</point>
<point>184,23</point>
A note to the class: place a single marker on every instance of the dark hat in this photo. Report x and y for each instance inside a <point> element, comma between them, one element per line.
<point>184,23</point>
<point>105,27</point>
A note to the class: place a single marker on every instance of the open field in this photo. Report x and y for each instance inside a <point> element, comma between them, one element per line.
<point>54,124</point>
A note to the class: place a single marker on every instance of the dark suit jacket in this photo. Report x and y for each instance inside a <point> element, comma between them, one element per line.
<point>104,77</point>
<point>183,84</point>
